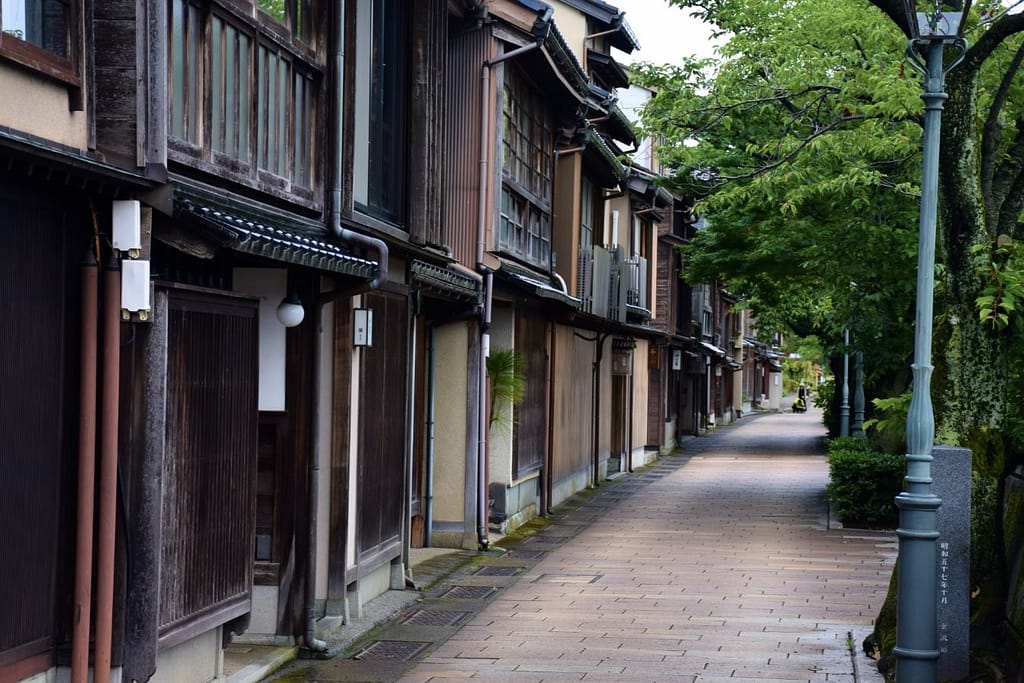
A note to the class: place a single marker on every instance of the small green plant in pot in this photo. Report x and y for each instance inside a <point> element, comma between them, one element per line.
<point>506,370</point>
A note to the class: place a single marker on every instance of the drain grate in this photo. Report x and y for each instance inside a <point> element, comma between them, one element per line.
<point>470,592</point>
<point>423,617</point>
<point>527,554</point>
<point>497,571</point>
<point>568,578</point>
<point>391,650</point>
<point>546,540</point>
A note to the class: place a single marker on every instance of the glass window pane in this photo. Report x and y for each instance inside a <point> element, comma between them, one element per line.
<point>216,86</point>
<point>177,103</point>
<point>244,69</point>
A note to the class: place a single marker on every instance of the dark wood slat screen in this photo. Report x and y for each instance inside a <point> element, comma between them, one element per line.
<point>31,371</point>
<point>382,424</point>
<point>210,466</point>
<point>530,437</point>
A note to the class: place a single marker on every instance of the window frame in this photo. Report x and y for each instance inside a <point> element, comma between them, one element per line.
<point>527,171</point>
<point>297,170</point>
<point>381,112</point>
<point>64,69</point>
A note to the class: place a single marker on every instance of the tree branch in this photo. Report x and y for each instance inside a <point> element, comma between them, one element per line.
<point>1001,29</point>
<point>992,131</point>
<point>1012,173</point>
<point>793,152</point>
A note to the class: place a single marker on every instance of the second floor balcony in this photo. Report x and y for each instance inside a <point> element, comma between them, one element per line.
<point>611,285</point>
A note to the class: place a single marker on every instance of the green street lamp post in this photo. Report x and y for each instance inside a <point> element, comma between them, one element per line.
<point>934,26</point>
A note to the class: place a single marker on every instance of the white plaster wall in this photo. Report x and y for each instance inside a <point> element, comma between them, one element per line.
<point>775,390</point>
<point>40,108</point>
<point>263,620</point>
<point>270,286</point>
<point>500,447</point>
<point>451,387</point>
<point>194,661</point>
<point>641,397</point>
<point>353,450</point>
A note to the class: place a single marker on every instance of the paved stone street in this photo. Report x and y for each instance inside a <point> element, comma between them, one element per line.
<point>715,564</point>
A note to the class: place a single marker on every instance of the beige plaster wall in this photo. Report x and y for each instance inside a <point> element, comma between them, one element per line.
<point>450,414</point>
<point>573,25</point>
<point>40,107</point>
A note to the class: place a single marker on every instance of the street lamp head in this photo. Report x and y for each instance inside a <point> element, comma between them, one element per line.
<point>936,20</point>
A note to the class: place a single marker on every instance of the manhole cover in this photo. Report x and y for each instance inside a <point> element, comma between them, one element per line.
<point>497,571</point>
<point>470,592</point>
<point>527,554</point>
<point>395,650</point>
<point>423,617</point>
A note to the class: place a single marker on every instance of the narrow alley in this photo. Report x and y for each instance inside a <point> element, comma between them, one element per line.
<point>717,563</point>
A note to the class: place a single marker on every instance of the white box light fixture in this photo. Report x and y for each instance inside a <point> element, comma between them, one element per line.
<point>362,327</point>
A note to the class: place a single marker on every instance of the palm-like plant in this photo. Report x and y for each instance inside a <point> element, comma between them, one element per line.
<point>506,370</point>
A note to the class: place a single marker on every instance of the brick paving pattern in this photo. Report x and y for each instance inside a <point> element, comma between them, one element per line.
<point>720,567</point>
<point>716,564</point>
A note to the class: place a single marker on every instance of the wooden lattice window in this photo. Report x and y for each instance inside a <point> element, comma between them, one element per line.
<point>243,93</point>
<point>524,228</point>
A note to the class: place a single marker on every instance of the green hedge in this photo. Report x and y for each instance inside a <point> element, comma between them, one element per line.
<point>864,483</point>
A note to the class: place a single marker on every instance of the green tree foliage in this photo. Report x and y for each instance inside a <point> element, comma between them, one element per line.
<point>802,144</point>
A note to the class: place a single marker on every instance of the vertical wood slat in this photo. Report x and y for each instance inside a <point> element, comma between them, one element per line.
<point>210,466</point>
<point>530,435</point>
<point>466,54</point>
<point>31,360</point>
<point>383,424</point>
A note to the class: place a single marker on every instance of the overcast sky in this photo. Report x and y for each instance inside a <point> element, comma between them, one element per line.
<point>666,33</point>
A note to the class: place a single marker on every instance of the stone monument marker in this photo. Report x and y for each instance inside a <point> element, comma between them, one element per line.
<point>951,475</point>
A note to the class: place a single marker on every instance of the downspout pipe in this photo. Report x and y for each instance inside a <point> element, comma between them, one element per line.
<point>484,424</point>
<point>86,471</point>
<point>310,641</point>
<point>107,534</point>
<point>428,508</point>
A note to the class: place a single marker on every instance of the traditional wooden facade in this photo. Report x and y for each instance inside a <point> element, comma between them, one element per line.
<point>255,256</point>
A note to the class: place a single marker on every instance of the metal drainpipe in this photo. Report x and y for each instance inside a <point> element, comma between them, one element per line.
<point>86,472</point>
<point>310,641</point>
<point>482,442</point>
<point>601,337</point>
<point>107,534</point>
<point>428,511</point>
<point>410,425</point>
<point>549,381</point>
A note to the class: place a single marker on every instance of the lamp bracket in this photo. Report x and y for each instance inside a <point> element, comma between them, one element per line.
<point>916,48</point>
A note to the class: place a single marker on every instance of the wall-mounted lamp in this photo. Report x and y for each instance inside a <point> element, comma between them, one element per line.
<point>290,311</point>
<point>362,327</point>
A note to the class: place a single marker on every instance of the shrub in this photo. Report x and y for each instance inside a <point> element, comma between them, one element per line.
<point>863,483</point>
